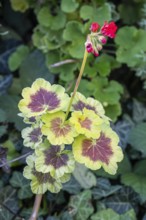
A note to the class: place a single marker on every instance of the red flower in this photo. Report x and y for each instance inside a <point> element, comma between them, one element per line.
<point>109,29</point>
<point>94,27</point>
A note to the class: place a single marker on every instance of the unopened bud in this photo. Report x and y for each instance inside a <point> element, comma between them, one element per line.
<point>99,47</point>
<point>89,47</point>
<point>94,27</point>
<point>102,39</point>
<point>96,53</point>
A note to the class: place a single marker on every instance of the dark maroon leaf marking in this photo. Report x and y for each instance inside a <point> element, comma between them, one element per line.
<point>101,150</point>
<point>55,158</point>
<point>43,98</point>
<point>58,128</point>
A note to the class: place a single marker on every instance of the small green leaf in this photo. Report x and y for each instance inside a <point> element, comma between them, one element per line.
<point>106,214</point>
<point>99,14</point>
<point>130,215</point>
<point>46,39</point>
<point>5,214</point>
<point>81,206</point>
<point>76,49</point>
<point>8,198</point>
<point>103,68</point>
<point>85,177</point>
<point>72,186</point>
<point>104,188</point>
<point>17,57</point>
<point>9,104</point>
<point>34,67</point>
<point>69,6</point>
<point>137,182</point>
<point>44,16</point>
<point>73,31</point>
<point>122,201</point>
<point>17,180</point>
<point>67,71</point>
<point>107,92</point>
<point>47,20</point>
<point>113,111</point>
<point>137,138</point>
<point>131,42</point>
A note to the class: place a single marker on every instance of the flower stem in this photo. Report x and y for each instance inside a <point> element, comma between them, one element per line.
<point>77,83</point>
<point>36,207</point>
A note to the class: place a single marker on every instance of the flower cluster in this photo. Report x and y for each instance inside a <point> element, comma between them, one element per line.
<point>98,37</point>
<point>59,139</point>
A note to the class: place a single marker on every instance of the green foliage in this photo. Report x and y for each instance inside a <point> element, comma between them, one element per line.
<point>107,92</point>
<point>99,14</point>
<point>81,206</point>
<point>137,179</point>
<point>76,48</point>
<point>108,214</point>
<point>128,49</point>
<point>9,203</point>
<point>69,6</point>
<point>18,181</point>
<point>137,183</point>
<point>3,116</point>
<point>104,188</point>
<point>72,186</point>
<point>34,67</point>
<point>17,57</point>
<point>9,104</point>
<point>137,138</point>
<point>85,177</point>
<point>53,22</point>
<point>3,127</point>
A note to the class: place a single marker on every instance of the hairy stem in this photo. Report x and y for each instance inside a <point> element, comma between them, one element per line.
<point>77,83</point>
<point>36,207</point>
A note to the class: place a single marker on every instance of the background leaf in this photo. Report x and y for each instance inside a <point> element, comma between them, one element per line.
<point>137,138</point>
<point>69,6</point>
<point>19,181</point>
<point>81,206</point>
<point>34,67</point>
<point>85,177</point>
<point>99,14</point>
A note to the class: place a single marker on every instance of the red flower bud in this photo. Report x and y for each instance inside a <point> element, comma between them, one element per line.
<point>102,39</point>
<point>99,47</point>
<point>96,54</point>
<point>109,29</point>
<point>94,27</point>
<point>89,47</point>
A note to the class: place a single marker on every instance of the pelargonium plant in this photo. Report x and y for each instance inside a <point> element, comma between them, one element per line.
<point>56,120</point>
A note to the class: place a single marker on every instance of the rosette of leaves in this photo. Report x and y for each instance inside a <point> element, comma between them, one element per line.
<point>86,128</point>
